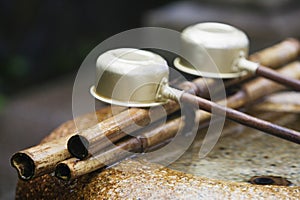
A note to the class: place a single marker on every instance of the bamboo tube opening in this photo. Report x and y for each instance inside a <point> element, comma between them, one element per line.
<point>78,146</point>
<point>24,165</point>
<point>63,172</point>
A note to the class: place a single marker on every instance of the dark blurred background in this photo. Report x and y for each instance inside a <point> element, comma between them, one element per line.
<point>42,44</point>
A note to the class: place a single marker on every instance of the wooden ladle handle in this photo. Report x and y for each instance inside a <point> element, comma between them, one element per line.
<point>277,77</point>
<point>242,118</point>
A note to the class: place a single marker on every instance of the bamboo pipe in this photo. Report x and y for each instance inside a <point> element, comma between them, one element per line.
<point>98,137</point>
<point>73,168</point>
<point>278,54</point>
<point>41,159</point>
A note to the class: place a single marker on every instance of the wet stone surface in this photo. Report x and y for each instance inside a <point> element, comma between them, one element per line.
<point>242,153</point>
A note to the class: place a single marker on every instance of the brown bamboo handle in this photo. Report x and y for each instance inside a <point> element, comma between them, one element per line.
<point>261,86</point>
<point>272,57</point>
<point>277,77</point>
<point>243,118</point>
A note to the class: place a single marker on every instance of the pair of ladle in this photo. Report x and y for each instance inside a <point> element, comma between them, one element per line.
<point>139,78</point>
<point>225,46</point>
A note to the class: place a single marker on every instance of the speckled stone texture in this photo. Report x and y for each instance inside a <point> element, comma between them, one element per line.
<point>136,179</point>
<point>243,152</point>
<point>139,180</point>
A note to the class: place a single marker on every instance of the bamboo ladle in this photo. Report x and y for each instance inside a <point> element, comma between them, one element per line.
<point>220,51</point>
<point>133,77</point>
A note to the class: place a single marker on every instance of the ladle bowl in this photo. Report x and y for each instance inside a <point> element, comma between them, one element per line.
<point>130,77</point>
<point>214,47</point>
<point>220,51</point>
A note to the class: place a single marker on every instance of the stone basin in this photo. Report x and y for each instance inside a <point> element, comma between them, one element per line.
<point>240,154</point>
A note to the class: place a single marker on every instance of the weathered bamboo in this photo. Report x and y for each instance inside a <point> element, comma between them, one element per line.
<point>96,138</point>
<point>41,159</point>
<point>101,135</point>
<point>283,102</point>
<point>73,168</point>
<point>279,54</point>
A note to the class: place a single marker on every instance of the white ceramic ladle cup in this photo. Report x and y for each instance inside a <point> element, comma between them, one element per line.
<point>220,51</point>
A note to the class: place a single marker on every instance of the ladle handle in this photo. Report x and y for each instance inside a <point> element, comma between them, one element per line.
<point>242,118</point>
<point>277,77</point>
<point>268,73</point>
